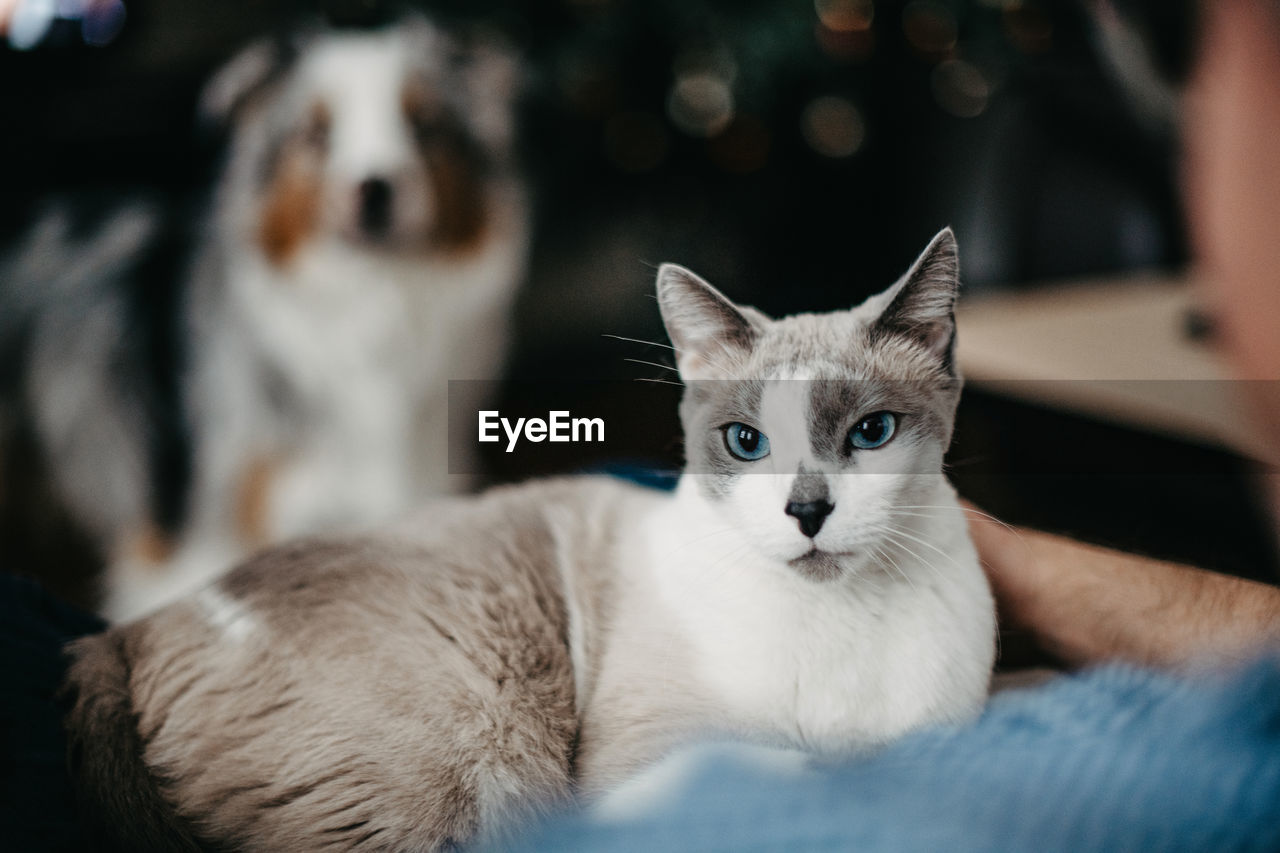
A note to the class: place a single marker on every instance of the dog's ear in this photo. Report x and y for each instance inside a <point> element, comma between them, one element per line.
<point>494,78</point>
<point>245,77</point>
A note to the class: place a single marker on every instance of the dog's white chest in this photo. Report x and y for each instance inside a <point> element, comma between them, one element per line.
<point>338,323</point>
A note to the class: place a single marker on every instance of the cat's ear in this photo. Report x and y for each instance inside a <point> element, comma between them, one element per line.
<point>708,331</point>
<point>921,305</point>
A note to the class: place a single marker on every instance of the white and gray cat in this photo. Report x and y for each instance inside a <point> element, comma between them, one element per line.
<point>810,583</point>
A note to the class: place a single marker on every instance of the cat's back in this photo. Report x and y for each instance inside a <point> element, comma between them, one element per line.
<point>400,691</point>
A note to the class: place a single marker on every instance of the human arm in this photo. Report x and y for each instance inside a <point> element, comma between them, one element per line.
<point>1086,604</point>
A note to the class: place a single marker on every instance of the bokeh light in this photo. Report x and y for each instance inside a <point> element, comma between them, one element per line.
<point>1028,27</point>
<point>930,28</point>
<point>27,24</point>
<point>833,126</point>
<point>844,30</point>
<point>102,22</point>
<point>701,103</point>
<point>844,16</point>
<point>30,22</point>
<point>961,88</point>
<point>7,8</point>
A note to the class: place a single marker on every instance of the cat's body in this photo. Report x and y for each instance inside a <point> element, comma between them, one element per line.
<point>430,683</point>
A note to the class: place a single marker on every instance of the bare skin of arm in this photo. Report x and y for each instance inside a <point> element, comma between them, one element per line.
<point>1086,604</point>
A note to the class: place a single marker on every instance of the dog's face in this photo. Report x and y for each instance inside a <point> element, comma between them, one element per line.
<point>384,140</point>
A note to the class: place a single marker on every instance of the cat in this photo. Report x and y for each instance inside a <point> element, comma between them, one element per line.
<point>810,583</point>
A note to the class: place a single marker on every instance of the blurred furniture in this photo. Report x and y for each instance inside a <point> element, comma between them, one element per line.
<point>1122,351</point>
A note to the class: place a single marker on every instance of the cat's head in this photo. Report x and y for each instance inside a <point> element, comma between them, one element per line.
<point>814,433</point>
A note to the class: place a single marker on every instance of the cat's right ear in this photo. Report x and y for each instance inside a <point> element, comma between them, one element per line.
<point>708,331</point>
<point>921,305</point>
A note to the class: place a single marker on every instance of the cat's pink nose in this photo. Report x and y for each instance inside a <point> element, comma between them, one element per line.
<point>810,515</point>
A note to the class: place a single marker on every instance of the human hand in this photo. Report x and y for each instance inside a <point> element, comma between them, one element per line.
<point>1085,604</point>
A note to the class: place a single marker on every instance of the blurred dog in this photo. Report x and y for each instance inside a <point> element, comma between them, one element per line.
<point>362,248</point>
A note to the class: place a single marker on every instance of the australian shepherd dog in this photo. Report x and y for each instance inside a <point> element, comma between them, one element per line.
<point>277,362</point>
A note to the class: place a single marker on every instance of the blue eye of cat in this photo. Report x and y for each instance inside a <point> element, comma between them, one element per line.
<point>746,442</point>
<point>873,431</point>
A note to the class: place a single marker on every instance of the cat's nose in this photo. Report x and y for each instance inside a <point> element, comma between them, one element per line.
<point>810,514</point>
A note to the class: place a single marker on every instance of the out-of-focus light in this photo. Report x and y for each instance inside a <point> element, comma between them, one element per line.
<point>25,24</point>
<point>1028,27</point>
<point>7,8</point>
<point>961,88</point>
<point>742,147</point>
<point>930,28</point>
<point>701,103</point>
<point>716,60</point>
<point>102,22</point>
<point>844,29</point>
<point>849,45</point>
<point>833,126</point>
<point>30,23</point>
<point>845,16</point>
<point>636,141</point>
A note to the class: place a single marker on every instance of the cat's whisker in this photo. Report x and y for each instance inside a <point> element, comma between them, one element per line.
<point>924,542</point>
<point>897,568</point>
<point>920,559</point>
<point>660,381</point>
<point>863,578</point>
<point>652,364</point>
<point>977,512</point>
<point>988,516</point>
<point>639,341</point>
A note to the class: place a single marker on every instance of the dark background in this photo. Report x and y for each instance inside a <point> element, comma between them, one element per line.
<point>1002,122</point>
<point>857,130</point>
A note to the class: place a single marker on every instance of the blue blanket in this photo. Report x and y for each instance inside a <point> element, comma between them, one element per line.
<point>1113,759</point>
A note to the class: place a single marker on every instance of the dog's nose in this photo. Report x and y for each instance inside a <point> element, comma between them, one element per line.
<point>375,206</point>
<point>810,514</point>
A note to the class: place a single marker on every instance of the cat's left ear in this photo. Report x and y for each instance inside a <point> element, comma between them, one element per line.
<point>921,305</point>
<point>709,332</point>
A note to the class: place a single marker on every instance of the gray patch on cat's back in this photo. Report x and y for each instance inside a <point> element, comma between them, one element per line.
<point>451,642</point>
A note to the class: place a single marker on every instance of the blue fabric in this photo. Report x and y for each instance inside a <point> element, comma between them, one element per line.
<point>640,473</point>
<point>1114,759</point>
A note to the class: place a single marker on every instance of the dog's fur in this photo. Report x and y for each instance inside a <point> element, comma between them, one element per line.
<point>285,369</point>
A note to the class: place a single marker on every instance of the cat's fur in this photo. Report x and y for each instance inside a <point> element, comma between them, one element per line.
<point>432,683</point>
